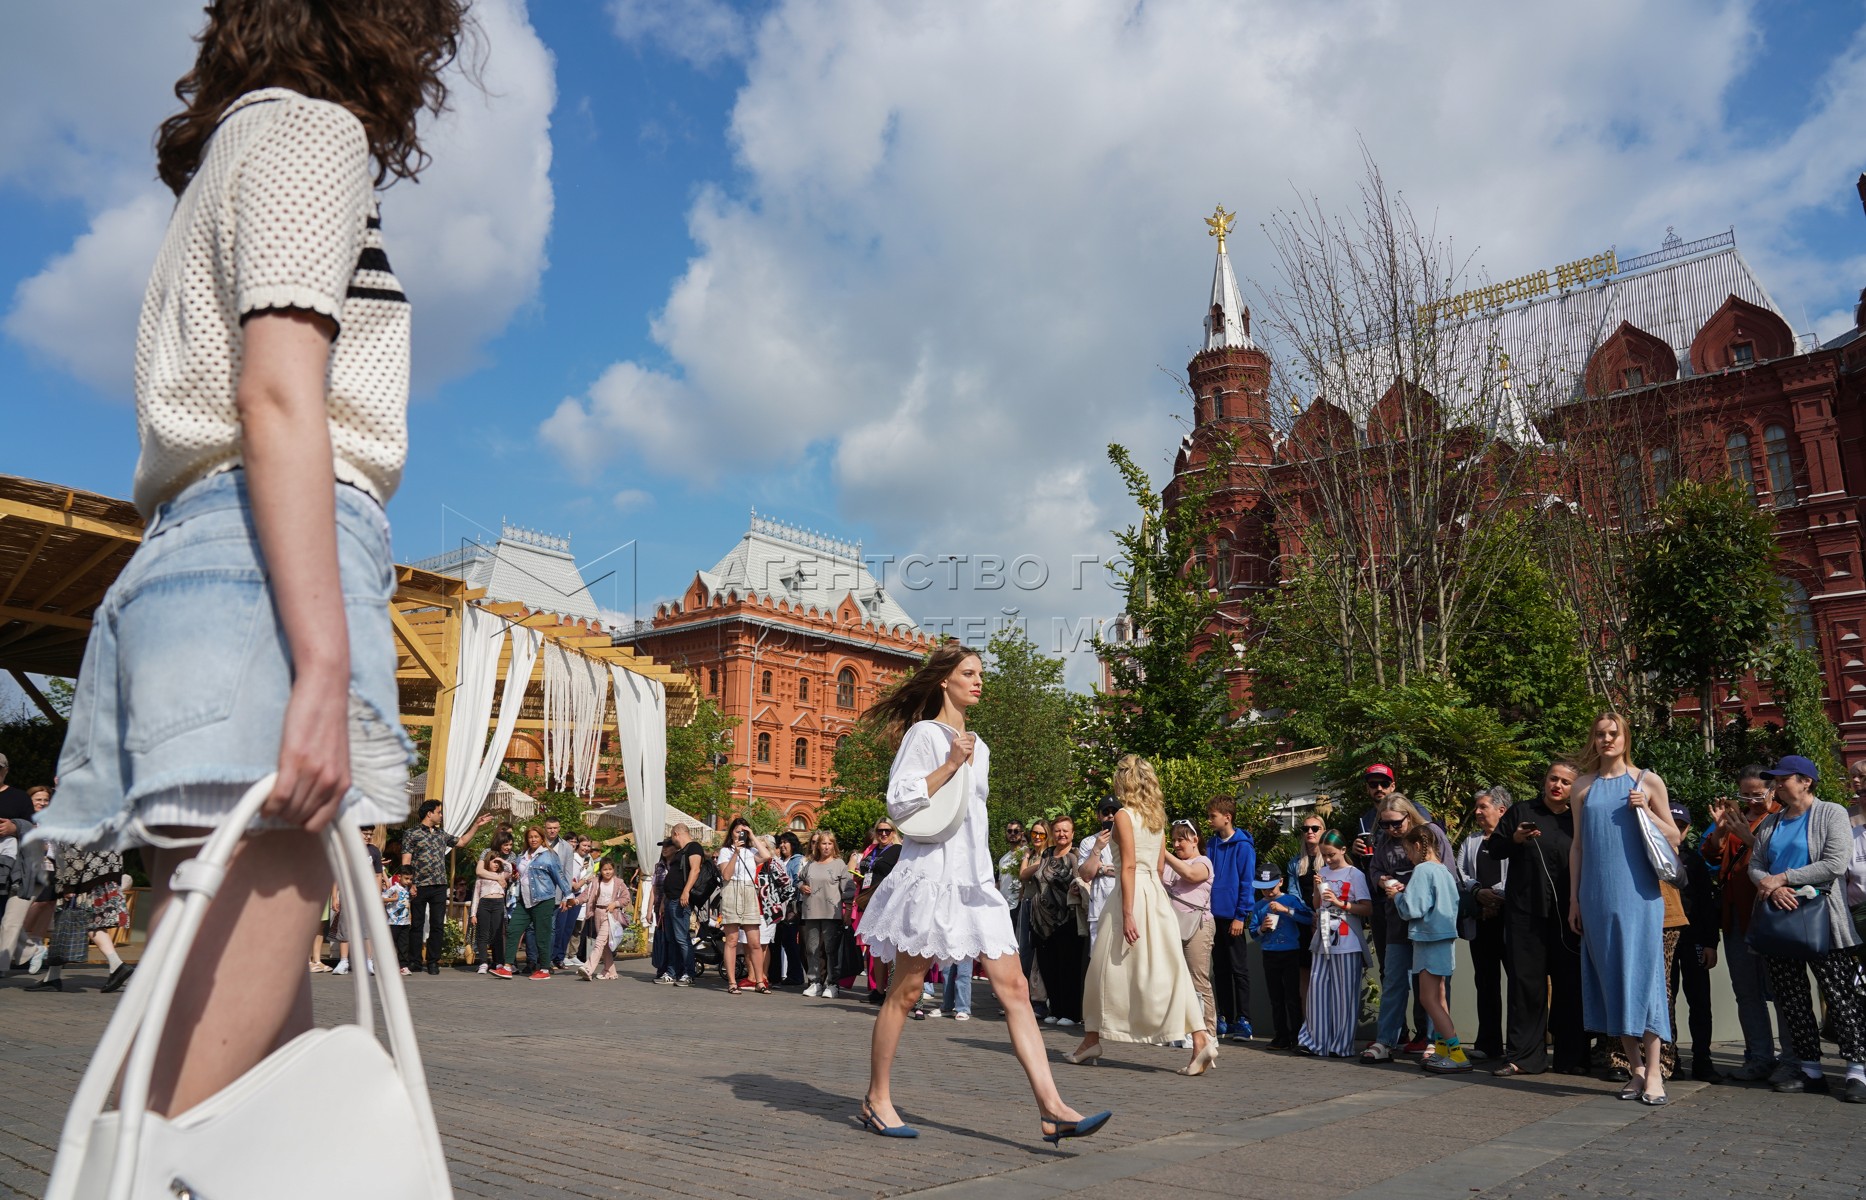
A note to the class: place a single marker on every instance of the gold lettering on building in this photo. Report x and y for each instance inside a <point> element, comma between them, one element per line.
<point>1536,284</point>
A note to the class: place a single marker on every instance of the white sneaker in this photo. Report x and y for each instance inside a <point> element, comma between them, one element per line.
<point>813,990</point>
<point>342,968</point>
<point>962,1016</point>
<point>572,963</point>
<point>372,970</point>
<point>936,1013</point>
<point>37,962</point>
<point>1062,1022</point>
<point>831,991</point>
<point>1049,1020</point>
<point>482,968</point>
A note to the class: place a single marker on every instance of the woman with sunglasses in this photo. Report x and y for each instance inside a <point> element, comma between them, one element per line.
<point>941,902</point>
<point>1301,882</point>
<point>1340,954</point>
<point>1394,817</point>
<point>870,867</point>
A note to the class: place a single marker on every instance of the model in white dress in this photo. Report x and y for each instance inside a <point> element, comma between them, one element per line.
<point>941,901</point>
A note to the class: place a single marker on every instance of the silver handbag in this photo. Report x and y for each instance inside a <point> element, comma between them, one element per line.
<point>336,1084</point>
<point>1659,852</point>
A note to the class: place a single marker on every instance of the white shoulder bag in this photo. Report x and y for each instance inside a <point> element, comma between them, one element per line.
<point>945,809</point>
<point>335,1086</point>
<point>1658,851</point>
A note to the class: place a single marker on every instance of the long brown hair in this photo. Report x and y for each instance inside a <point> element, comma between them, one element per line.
<point>381,59</point>
<point>918,697</point>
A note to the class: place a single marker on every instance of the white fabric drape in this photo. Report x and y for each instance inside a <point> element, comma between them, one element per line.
<point>641,735</point>
<point>481,636</point>
<point>466,796</point>
<point>576,698</point>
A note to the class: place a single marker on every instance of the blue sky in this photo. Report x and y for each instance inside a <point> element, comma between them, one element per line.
<point>900,272</point>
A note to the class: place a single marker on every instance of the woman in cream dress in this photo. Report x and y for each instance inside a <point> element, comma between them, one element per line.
<point>1139,989</point>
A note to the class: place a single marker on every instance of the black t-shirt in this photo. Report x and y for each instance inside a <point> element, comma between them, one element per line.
<point>682,867</point>
<point>1539,867</point>
<point>15,803</point>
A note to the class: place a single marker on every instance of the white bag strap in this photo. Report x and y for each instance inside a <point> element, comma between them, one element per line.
<point>136,1028</point>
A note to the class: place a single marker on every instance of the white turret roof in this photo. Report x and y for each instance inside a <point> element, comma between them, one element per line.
<point>1226,323</point>
<point>526,567</point>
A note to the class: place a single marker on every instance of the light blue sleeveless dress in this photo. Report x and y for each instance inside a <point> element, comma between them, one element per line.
<point>1622,920</point>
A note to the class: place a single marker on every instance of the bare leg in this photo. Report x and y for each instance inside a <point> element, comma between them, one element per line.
<point>1654,1048</point>
<point>1432,996</point>
<point>758,956</point>
<point>732,956</point>
<point>1013,992</point>
<point>244,991</point>
<point>909,972</point>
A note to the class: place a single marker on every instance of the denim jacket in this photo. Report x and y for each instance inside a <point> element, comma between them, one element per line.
<point>547,882</point>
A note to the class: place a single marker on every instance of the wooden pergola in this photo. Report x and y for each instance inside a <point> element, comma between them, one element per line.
<point>428,611</point>
<point>61,549</point>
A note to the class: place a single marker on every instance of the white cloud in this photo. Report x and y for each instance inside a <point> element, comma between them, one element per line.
<point>701,31</point>
<point>965,240</point>
<point>77,116</point>
<point>629,500</point>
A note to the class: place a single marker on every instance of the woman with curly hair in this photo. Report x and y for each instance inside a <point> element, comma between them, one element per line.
<point>250,634</point>
<point>941,902</point>
<point>1139,988</point>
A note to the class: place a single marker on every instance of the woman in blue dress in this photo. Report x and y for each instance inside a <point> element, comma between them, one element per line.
<point>1615,903</point>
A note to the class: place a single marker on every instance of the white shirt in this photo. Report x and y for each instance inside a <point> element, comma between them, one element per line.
<point>746,870</point>
<point>281,214</point>
<point>1856,869</point>
<point>1349,887</point>
<point>1101,887</point>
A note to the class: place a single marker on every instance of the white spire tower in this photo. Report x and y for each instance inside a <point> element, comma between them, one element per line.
<point>1227,321</point>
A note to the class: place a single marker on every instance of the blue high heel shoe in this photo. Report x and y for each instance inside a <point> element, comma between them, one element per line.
<point>1074,1129</point>
<point>873,1123</point>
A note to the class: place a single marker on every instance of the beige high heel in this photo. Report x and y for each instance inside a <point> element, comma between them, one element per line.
<point>1086,1058</point>
<point>1205,1060</point>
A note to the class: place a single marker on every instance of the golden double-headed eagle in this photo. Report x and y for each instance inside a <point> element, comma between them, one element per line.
<point>1220,223</point>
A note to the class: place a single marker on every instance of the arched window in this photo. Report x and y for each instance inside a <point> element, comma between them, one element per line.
<point>1798,615</point>
<point>800,753</point>
<point>764,747</point>
<point>1736,449</point>
<point>712,681</point>
<point>799,823</point>
<point>803,688</point>
<point>1661,473</point>
<point>1218,406</point>
<point>1781,466</point>
<point>764,684</point>
<point>1632,493</point>
<point>845,688</point>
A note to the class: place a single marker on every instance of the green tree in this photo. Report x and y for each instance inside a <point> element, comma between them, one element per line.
<point>1169,698</point>
<point>1025,716</point>
<point>1443,746</point>
<point>700,770</point>
<point>1794,678</point>
<point>1703,597</point>
<point>1523,659</point>
<point>859,768</point>
<point>762,817</point>
<point>851,819</point>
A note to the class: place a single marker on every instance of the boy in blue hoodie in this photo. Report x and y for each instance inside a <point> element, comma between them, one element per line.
<point>1285,946</point>
<point>1429,903</point>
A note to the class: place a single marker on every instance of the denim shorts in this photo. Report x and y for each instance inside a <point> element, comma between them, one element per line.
<point>180,703</point>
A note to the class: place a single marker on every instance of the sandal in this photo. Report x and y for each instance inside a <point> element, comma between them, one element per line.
<point>764,989</point>
<point>732,989</point>
<point>1508,1070</point>
<point>1377,1053</point>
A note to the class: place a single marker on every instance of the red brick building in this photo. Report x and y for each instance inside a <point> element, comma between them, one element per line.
<point>1688,359</point>
<point>792,635</point>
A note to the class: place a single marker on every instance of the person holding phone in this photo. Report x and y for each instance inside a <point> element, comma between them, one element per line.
<point>739,914</point>
<point>1728,846</point>
<point>1541,954</point>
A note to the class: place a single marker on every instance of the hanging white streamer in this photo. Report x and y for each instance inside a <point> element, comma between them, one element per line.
<point>576,698</point>
<point>641,736</point>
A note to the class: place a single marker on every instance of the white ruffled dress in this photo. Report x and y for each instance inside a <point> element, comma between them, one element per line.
<point>941,901</point>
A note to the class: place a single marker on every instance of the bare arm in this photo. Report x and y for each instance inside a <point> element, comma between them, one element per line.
<point>1029,866</point>
<point>1187,869</point>
<point>1124,850</point>
<point>285,445</point>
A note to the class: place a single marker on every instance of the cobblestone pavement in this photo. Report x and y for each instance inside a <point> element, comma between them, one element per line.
<point>578,1089</point>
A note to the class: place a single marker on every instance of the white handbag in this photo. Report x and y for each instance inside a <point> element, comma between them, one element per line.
<point>945,810</point>
<point>336,1086</point>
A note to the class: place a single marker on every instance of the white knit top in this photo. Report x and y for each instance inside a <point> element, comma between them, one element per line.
<point>281,214</point>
